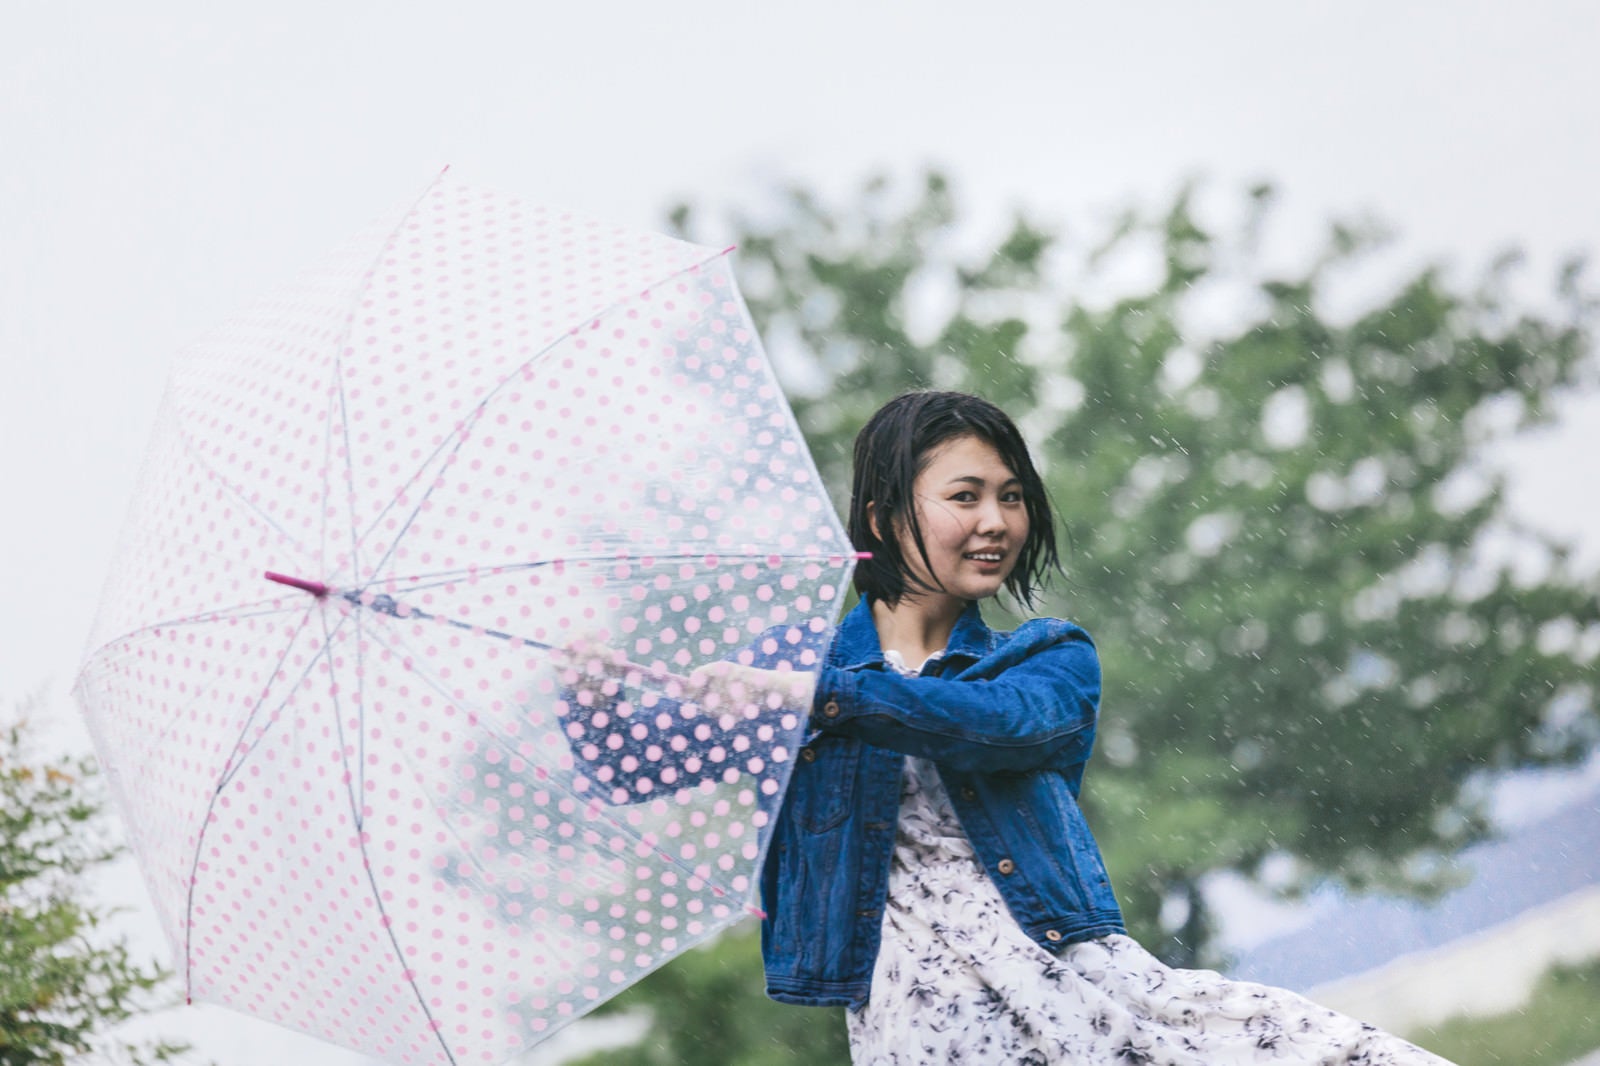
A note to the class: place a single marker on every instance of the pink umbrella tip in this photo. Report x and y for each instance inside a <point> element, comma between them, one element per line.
<point>316,588</point>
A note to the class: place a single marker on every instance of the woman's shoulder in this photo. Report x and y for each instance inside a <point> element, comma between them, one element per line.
<point>1050,644</point>
<point>1037,636</point>
<point>1042,631</point>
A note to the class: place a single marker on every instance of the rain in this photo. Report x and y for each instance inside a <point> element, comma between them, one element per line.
<point>1285,302</point>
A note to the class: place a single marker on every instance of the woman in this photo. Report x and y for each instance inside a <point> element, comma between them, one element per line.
<point>930,868</point>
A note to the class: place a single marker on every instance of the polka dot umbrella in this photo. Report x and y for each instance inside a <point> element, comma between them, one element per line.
<point>389,675</point>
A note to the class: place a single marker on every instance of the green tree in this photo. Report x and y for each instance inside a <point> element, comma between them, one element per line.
<point>1283,525</point>
<point>64,984</point>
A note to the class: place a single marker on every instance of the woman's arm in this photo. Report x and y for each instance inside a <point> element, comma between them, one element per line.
<point>1038,711</point>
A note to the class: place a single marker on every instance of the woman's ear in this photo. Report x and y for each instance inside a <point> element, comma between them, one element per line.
<point>872,521</point>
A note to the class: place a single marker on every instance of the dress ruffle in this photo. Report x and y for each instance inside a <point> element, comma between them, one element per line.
<point>957,981</point>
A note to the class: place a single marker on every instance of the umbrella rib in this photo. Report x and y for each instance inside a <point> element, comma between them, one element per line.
<point>354,796</point>
<point>232,770</point>
<point>388,605</point>
<point>361,711</point>
<point>228,775</point>
<point>472,416</point>
<point>349,457</point>
<point>222,783</point>
<point>399,648</point>
<point>191,620</point>
<point>236,492</point>
<point>361,720</point>
<point>327,458</point>
<point>338,369</point>
<point>447,577</point>
<point>173,719</point>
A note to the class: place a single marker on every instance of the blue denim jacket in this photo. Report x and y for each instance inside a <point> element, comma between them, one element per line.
<point>1009,719</point>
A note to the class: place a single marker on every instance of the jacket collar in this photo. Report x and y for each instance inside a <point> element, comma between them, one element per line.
<point>856,642</point>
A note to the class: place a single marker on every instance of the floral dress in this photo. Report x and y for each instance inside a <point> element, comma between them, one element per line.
<point>957,981</point>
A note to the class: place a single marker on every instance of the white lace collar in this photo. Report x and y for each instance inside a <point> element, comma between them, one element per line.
<point>897,662</point>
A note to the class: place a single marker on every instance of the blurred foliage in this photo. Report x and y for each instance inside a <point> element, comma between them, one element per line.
<point>1322,631</point>
<point>64,984</point>
<point>708,1007</point>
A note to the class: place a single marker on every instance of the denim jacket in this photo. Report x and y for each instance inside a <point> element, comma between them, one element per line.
<point>1009,719</point>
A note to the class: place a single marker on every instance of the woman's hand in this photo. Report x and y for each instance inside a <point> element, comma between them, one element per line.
<point>728,688</point>
<point>594,671</point>
<point>598,673</point>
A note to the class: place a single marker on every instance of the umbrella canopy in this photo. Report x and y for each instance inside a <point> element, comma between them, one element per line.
<point>332,678</point>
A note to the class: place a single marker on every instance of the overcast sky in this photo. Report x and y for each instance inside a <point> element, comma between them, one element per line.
<point>163,162</point>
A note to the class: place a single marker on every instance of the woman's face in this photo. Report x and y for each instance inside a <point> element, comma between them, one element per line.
<point>974,522</point>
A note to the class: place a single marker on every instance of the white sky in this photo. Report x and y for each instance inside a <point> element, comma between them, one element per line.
<point>162,162</point>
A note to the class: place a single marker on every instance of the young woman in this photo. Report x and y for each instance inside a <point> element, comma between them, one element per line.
<point>930,868</point>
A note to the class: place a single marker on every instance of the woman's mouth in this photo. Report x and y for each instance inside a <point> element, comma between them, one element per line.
<point>985,558</point>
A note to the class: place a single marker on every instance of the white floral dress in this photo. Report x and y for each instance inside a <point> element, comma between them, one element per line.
<point>957,981</point>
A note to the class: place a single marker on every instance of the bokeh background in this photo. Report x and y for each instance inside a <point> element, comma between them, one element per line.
<point>165,162</point>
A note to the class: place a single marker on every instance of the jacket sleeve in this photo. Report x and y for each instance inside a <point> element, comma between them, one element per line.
<point>1038,711</point>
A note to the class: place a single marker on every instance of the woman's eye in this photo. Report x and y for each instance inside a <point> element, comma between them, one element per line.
<point>1012,497</point>
<point>964,497</point>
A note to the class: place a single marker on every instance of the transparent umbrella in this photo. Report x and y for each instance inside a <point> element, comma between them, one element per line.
<point>331,681</point>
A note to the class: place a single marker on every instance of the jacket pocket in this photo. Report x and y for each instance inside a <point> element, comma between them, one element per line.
<point>824,782</point>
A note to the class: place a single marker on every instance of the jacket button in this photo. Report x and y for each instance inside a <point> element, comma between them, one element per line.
<point>1052,935</point>
<point>808,754</point>
<point>830,709</point>
<point>969,793</point>
<point>1005,866</point>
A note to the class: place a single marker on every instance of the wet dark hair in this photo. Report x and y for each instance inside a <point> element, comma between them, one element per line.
<point>894,447</point>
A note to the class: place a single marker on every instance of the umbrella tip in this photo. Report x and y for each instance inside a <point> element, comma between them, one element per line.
<point>316,588</point>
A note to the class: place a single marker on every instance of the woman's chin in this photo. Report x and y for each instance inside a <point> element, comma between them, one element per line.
<point>980,587</point>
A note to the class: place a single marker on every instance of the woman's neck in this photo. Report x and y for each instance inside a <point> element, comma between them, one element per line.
<point>916,627</point>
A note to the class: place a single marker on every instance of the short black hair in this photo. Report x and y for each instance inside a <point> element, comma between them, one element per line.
<point>894,447</point>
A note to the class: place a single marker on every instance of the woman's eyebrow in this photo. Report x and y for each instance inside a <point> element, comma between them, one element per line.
<point>974,479</point>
